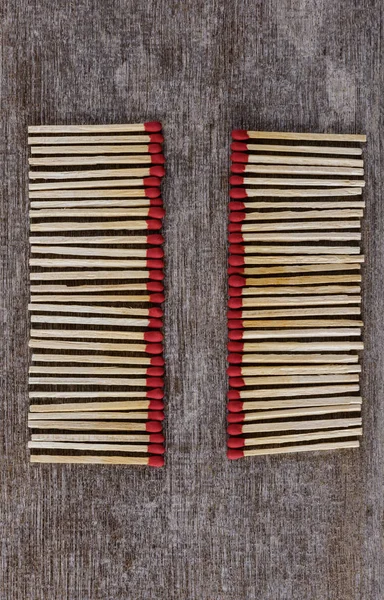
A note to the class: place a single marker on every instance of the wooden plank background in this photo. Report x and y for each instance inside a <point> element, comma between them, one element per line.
<point>304,527</point>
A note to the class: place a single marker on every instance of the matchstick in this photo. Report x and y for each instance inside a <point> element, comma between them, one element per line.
<point>151,461</point>
<point>155,212</point>
<point>288,270</point>
<point>102,149</point>
<point>243,157</point>
<point>155,138</point>
<point>287,370</point>
<point>149,286</point>
<point>143,448</point>
<point>147,192</point>
<point>155,312</point>
<point>109,381</point>
<point>148,336</point>
<point>153,323</point>
<point>238,206</point>
<point>152,349</point>
<point>238,382</point>
<point>292,392</point>
<point>339,183</point>
<point>235,454</point>
<point>238,157</point>
<point>334,346</point>
<point>237,316</point>
<point>155,274</point>
<point>292,289</point>
<point>237,261</point>
<point>244,147</point>
<point>148,127</point>
<point>96,263</point>
<point>149,224</point>
<point>237,240</point>
<point>133,405</point>
<point>96,370</point>
<point>152,239</point>
<point>241,193</point>
<point>238,359</point>
<point>237,442</point>
<point>143,182</point>
<point>142,298</point>
<point>291,412</point>
<point>353,217</point>
<point>243,302</point>
<point>242,134</point>
<point>154,415</point>
<point>239,429</point>
<point>308,236</point>
<point>109,203</point>
<point>156,252</point>
<point>238,406</point>
<point>144,438</point>
<point>148,426</point>
<point>115,159</point>
<point>153,361</point>
<point>244,334</point>
<point>255,324</point>
<point>239,281</point>
<point>152,394</point>
<point>155,171</point>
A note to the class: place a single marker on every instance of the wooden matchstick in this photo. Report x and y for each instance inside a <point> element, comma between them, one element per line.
<point>149,426</point>
<point>238,406</point>
<point>238,281</point>
<point>292,358</point>
<point>299,289</point>
<point>292,312</point>
<point>238,205</point>
<point>103,149</point>
<point>292,182</point>
<point>156,171</point>
<point>295,269</point>
<point>128,405</point>
<point>275,159</point>
<point>156,212</point>
<point>292,392</point>
<point>143,448</point>
<point>138,183</point>
<point>242,134</point>
<point>100,252</point>
<point>236,247</point>
<point>154,224</point>
<point>98,139</point>
<point>154,323</point>
<point>151,461</point>
<point>150,286</point>
<point>312,215</point>
<point>83,275</point>
<point>112,310</point>
<point>254,168</point>
<point>290,193</point>
<point>245,334</point>
<point>293,380</point>
<point>245,147</point>
<point>239,429</point>
<point>334,346</point>
<point>151,394</point>
<point>291,370</point>
<point>109,381</point>
<point>154,361</point>
<point>142,298</point>
<point>242,302</point>
<point>152,239</point>
<point>144,438</point>
<point>110,202</point>
<point>95,193</point>
<point>88,416</point>
<point>115,159</point>
<point>291,412</point>
<point>237,261</point>
<point>150,336</point>
<point>261,323</point>
<point>95,370</point>
<point>48,344</point>
<point>148,127</point>
<point>97,263</point>
<point>235,454</point>
<point>237,442</point>
<point>310,236</point>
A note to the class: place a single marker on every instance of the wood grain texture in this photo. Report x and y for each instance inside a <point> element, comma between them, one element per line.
<point>297,527</point>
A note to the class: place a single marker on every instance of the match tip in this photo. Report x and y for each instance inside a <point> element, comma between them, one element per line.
<point>240,134</point>
<point>154,148</point>
<point>157,361</point>
<point>235,335</point>
<point>156,138</point>
<point>155,239</point>
<point>155,371</point>
<point>154,286</point>
<point>156,438</point>
<point>155,312</point>
<point>236,206</point>
<point>154,348</point>
<point>152,192</point>
<point>153,426</point>
<point>234,371</point>
<point>152,181</point>
<point>235,417</point>
<point>236,382</point>
<point>235,347</point>
<point>155,323</point>
<point>152,126</point>
<point>236,217</point>
<point>235,359</point>
<point>157,394</point>
<point>158,171</point>
<point>153,336</point>
<point>234,292</point>
<point>235,429</point>
<point>157,275</point>
<point>235,238</point>
<point>234,314</point>
<point>238,193</point>
<point>156,212</point>
<point>155,382</point>
<point>235,406</point>
<point>156,449</point>
<point>236,261</point>
<point>155,263</point>
<point>235,270</point>
<point>239,147</point>
<point>233,395</point>
<point>237,168</point>
<point>234,228</point>
<point>156,202</point>
<point>239,157</point>
<point>235,324</point>
<point>237,281</point>
<point>156,415</point>
<point>235,303</point>
<point>156,405</point>
<point>157,159</point>
<point>156,461</point>
<point>233,454</point>
<point>154,224</point>
<point>236,180</point>
<point>235,442</point>
<point>156,298</point>
<point>155,253</point>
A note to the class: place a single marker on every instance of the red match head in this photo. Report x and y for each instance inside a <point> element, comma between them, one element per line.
<point>235,429</point>
<point>235,238</point>
<point>235,442</point>
<point>235,303</point>
<point>156,449</point>
<point>236,206</point>
<point>155,263</point>
<point>239,157</point>
<point>235,417</point>
<point>158,171</point>
<point>157,394</point>
<point>235,270</point>
<point>239,147</point>
<point>236,382</point>
<point>234,454</point>
<point>155,239</point>
<point>155,312</point>
<point>235,324</point>
<point>156,461</point>
<point>237,281</point>
<point>155,323</point>
<point>156,415</point>
<point>156,275</point>
<point>155,371</point>
<point>153,336</point>
<point>234,228</point>
<point>152,192</point>
<point>240,134</point>
<point>156,298</point>
<point>154,348</point>
<point>155,382</point>
<point>154,148</point>
<point>156,438</point>
<point>157,361</point>
<point>156,405</point>
<point>152,126</point>
<point>154,224</point>
<point>156,202</point>
<point>237,217</point>
<point>233,395</point>
<point>238,193</point>
<point>234,292</point>
<point>231,371</point>
<point>156,138</point>
<point>235,347</point>
<point>156,212</point>
<point>237,168</point>
<point>237,260</point>
<point>235,359</point>
<point>152,181</point>
<point>154,286</point>
<point>157,159</point>
<point>236,180</point>
<point>153,426</point>
<point>155,253</point>
<point>235,406</point>
<point>235,334</point>
<point>234,314</point>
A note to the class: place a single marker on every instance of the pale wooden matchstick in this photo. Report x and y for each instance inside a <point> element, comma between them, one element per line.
<point>70,289</point>
<point>115,159</point>
<point>340,183</point>
<point>151,461</point>
<point>157,171</point>
<point>293,260</point>
<point>300,289</point>
<point>93,333</point>
<point>154,239</point>
<point>94,346</point>
<point>295,437</point>
<point>299,312</point>
<point>235,454</point>
<point>143,448</point>
<point>296,358</point>
<point>88,416</point>
<point>239,205</point>
<point>97,359</point>
<point>96,263</point>
<point>297,402</point>
<point>92,212</point>
<point>286,160</point>
<point>293,370</point>
<point>148,127</point>
<point>97,321</point>
<point>74,275</point>
<point>275,169</point>
<point>294,379</point>
<point>300,149</point>
<point>100,183</point>
<point>156,438</point>
<point>97,139</point>
<point>95,370</point>
<point>110,202</point>
<point>292,412</point>
<point>151,394</point>
<point>292,425</point>
<point>92,425</point>
<point>111,310</point>
<point>127,405</point>
<point>95,226</point>
<point>312,215</point>
<point>334,346</point>
<point>298,301</point>
<point>296,193</point>
<point>242,134</point>
<point>237,280</point>
<point>309,236</point>
<point>98,252</point>
<point>91,298</point>
<point>334,250</point>
<point>299,269</point>
<point>293,392</point>
<point>255,324</point>
<point>245,334</point>
<point>109,381</point>
<point>101,149</point>
<point>115,193</point>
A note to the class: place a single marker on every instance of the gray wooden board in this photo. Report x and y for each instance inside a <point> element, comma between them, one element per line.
<point>301,527</point>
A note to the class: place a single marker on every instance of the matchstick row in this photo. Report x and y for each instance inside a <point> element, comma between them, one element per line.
<point>294,322</point>
<point>96,269</point>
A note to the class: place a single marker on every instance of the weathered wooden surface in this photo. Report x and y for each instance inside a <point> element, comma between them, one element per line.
<point>304,527</point>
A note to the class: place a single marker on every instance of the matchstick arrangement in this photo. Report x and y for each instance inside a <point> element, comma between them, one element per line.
<point>294,292</point>
<point>96,379</point>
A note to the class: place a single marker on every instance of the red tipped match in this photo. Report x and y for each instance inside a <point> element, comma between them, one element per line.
<point>237,281</point>
<point>152,181</point>
<point>235,429</point>
<point>235,303</point>
<point>156,212</point>
<point>235,406</point>
<point>155,312</point>
<point>157,361</point>
<point>239,157</point>
<point>236,180</point>
<point>239,147</point>
<point>234,371</point>
<point>156,202</point>
<point>235,442</point>
<point>235,238</point>
<point>157,394</point>
<point>155,253</point>
<point>235,359</point>
<point>234,228</point>
<point>155,286</point>
<point>154,348</point>
<point>155,382</point>
<point>237,168</point>
<point>154,224</point>
<point>238,193</point>
<point>156,449</point>
<point>240,134</point>
<point>158,171</point>
<point>235,334</point>
<point>156,275</point>
<point>154,148</point>
<point>234,314</point>
<point>157,159</point>
<point>236,206</point>
<point>233,395</point>
<point>235,270</point>
<point>235,417</point>
<point>236,261</point>
<point>156,438</point>
<point>235,324</point>
<point>235,454</point>
<point>153,336</point>
<point>236,382</point>
<point>156,298</point>
<point>237,217</point>
<point>156,461</point>
<point>156,138</point>
<point>234,292</point>
<point>155,263</point>
<point>235,347</point>
<point>156,405</point>
<point>155,323</point>
<point>152,126</point>
<point>153,426</point>
<point>155,239</point>
<point>152,192</point>
<point>156,415</point>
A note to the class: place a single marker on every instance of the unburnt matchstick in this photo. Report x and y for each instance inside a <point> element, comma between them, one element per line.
<point>96,288</point>
<point>294,322</point>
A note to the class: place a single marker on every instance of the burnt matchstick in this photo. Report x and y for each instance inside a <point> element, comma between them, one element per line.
<point>243,135</point>
<point>237,406</point>
<point>151,461</point>
<point>233,454</point>
<point>149,224</point>
<point>155,239</point>
<point>154,312</point>
<point>340,150</point>
<point>142,448</point>
<point>52,344</point>
<point>51,140</point>
<point>155,171</point>
<point>131,438</point>
<point>152,148</point>
<point>124,405</point>
<point>147,127</point>
<point>135,182</point>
